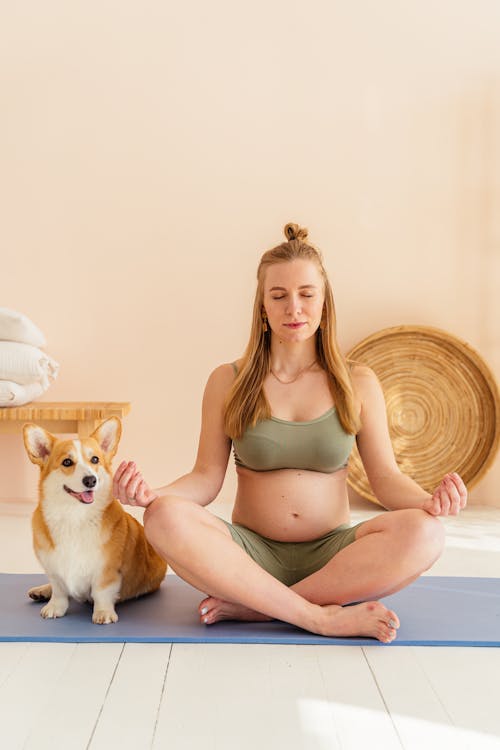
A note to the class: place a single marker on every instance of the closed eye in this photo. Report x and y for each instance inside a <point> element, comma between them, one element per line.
<point>284,295</point>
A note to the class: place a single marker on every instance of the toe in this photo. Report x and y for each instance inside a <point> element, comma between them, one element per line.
<point>384,633</point>
<point>210,617</point>
<point>208,610</point>
<point>393,619</point>
<point>205,605</point>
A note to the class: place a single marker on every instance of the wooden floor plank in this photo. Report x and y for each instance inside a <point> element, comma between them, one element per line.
<point>11,654</point>
<point>467,681</point>
<point>70,715</point>
<point>239,694</point>
<point>251,695</point>
<point>130,710</point>
<point>227,689</point>
<point>354,699</point>
<point>26,693</point>
<point>431,704</point>
<point>418,714</point>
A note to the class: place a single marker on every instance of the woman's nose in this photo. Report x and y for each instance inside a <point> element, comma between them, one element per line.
<point>293,306</point>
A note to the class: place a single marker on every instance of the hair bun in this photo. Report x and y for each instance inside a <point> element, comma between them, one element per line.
<point>294,232</point>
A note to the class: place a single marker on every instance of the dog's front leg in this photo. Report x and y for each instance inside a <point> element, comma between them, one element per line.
<point>104,603</point>
<point>57,605</point>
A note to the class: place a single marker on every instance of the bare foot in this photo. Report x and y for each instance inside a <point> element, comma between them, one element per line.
<point>369,619</point>
<point>213,610</point>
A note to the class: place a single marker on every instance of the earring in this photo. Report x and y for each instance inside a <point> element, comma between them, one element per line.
<point>264,323</point>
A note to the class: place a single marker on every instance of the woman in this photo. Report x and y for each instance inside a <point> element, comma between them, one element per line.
<point>292,407</point>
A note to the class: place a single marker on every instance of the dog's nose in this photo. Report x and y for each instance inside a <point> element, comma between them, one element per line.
<point>89,481</point>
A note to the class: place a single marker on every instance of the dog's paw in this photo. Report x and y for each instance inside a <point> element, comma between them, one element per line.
<point>104,616</point>
<point>52,610</point>
<point>40,593</point>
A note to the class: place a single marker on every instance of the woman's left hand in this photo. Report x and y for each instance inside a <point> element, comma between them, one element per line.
<point>449,497</point>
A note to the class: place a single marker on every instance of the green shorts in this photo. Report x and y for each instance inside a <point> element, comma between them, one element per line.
<point>289,562</point>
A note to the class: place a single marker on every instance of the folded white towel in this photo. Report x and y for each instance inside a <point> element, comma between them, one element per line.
<point>24,364</point>
<point>14,394</point>
<point>14,326</point>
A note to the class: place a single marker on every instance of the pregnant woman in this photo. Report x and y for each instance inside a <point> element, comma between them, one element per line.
<point>292,408</point>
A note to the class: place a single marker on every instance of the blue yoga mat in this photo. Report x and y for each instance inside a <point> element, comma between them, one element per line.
<point>434,611</point>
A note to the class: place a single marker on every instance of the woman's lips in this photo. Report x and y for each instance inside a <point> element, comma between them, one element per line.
<point>294,325</point>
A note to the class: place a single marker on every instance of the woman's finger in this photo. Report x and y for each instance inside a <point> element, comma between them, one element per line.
<point>118,475</point>
<point>461,487</point>
<point>133,485</point>
<point>121,492</point>
<point>126,476</point>
<point>140,492</point>
<point>454,496</point>
<point>444,501</point>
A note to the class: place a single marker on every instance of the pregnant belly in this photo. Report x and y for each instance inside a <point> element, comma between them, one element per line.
<point>291,505</point>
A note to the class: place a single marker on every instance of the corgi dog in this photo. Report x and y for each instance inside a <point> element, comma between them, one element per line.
<point>90,548</point>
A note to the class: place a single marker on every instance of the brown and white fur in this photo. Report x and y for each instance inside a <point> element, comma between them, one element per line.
<point>90,548</point>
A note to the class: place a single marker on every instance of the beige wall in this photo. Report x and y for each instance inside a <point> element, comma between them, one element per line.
<point>151,151</point>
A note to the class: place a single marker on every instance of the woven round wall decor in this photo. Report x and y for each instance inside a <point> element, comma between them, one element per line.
<point>443,405</point>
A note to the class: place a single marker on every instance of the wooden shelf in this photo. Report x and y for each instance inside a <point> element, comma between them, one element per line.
<point>80,417</point>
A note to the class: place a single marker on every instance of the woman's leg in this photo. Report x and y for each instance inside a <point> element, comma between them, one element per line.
<point>198,546</point>
<point>390,551</point>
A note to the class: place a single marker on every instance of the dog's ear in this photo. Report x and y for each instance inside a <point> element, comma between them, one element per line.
<point>38,443</point>
<point>108,436</point>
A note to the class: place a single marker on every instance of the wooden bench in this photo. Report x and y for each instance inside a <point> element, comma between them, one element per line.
<point>80,417</point>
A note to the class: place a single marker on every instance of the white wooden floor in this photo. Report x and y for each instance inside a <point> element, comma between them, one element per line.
<point>221,697</point>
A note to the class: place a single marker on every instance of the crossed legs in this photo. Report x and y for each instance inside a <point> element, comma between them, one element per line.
<point>389,552</point>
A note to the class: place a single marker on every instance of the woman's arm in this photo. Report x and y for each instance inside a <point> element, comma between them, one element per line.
<point>393,489</point>
<point>202,484</point>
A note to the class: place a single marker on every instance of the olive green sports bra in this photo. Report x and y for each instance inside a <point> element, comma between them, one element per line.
<point>320,444</point>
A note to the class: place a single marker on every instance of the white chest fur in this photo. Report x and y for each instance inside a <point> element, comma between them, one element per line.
<point>76,560</point>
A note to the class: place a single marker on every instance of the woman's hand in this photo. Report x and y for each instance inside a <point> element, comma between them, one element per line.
<point>129,486</point>
<point>449,497</point>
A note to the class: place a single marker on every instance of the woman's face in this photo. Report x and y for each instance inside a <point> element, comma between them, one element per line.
<point>293,299</point>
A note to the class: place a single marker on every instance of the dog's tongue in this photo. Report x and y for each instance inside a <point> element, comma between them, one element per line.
<point>86,497</point>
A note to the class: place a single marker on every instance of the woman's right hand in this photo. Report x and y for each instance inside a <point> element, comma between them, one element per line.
<point>130,488</point>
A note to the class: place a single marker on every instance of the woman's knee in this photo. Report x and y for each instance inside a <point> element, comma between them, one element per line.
<point>164,516</point>
<point>424,533</point>
<point>171,519</point>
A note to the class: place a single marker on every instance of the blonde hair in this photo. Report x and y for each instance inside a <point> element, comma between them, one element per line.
<point>246,403</point>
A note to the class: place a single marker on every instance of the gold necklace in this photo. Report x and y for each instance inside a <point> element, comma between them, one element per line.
<point>287,382</point>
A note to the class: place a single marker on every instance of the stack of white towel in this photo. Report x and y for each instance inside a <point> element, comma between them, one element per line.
<point>25,370</point>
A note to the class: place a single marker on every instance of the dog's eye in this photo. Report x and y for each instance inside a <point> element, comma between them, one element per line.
<point>67,462</point>
<point>94,460</point>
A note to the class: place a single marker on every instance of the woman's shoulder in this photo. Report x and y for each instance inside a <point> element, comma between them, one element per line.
<point>361,373</point>
<point>219,384</point>
<point>365,382</point>
<point>225,373</point>
<point>233,367</point>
